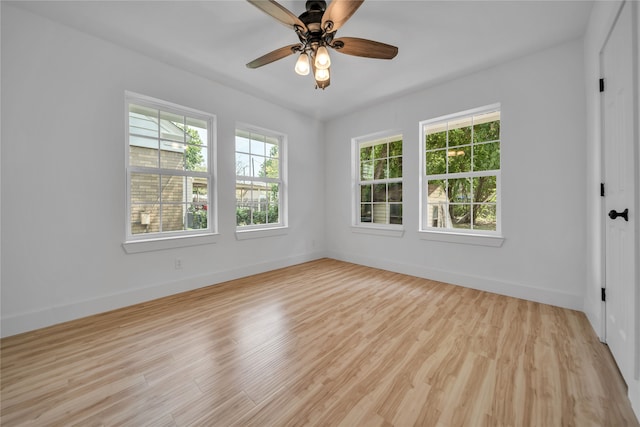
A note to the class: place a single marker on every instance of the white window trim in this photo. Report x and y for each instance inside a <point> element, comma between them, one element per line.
<point>390,230</point>
<point>466,239</point>
<point>469,237</point>
<point>257,231</point>
<point>379,231</point>
<point>136,243</point>
<point>159,244</point>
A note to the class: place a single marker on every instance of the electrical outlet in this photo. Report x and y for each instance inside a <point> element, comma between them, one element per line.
<point>178,264</point>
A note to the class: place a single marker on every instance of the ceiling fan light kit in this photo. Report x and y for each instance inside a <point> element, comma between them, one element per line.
<point>316,29</point>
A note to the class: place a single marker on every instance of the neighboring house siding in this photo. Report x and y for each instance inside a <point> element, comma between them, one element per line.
<point>145,196</point>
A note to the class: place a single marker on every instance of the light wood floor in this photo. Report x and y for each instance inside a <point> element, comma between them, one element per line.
<point>322,343</point>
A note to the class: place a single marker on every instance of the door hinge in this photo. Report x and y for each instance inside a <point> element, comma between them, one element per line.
<point>602,189</point>
<point>603,294</point>
<point>601,85</point>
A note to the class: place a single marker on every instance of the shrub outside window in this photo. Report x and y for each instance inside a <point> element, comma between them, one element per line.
<point>169,170</point>
<point>378,176</point>
<point>461,180</point>
<point>259,178</point>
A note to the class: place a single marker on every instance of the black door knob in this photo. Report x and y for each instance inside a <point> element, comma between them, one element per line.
<point>624,214</point>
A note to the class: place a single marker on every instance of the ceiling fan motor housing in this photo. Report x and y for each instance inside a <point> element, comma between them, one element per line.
<point>316,5</point>
<point>312,18</point>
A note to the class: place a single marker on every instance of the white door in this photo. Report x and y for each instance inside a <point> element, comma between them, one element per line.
<point>618,143</point>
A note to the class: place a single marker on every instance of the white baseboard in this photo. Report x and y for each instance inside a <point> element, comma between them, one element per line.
<point>516,290</point>
<point>29,321</point>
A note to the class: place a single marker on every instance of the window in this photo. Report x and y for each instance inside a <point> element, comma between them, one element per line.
<point>169,170</point>
<point>461,180</point>
<point>378,177</point>
<point>260,168</point>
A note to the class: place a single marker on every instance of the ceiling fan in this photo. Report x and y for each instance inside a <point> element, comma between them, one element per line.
<point>316,29</point>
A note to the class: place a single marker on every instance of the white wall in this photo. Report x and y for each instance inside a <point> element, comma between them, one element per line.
<point>63,178</point>
<point>601,21</point>
<point>543,169</point>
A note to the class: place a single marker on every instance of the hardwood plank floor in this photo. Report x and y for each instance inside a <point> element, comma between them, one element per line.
<point>322,343</point>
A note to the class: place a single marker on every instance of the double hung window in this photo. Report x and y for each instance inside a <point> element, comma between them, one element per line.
<point>260,171</point>
<point>461,172</point>
<point>169,170</point>
<point>378,176</point>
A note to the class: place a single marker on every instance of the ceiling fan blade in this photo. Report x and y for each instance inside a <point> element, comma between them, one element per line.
<point>363,47</point>
<point>338,12</point>
<point>279,12</point>
<point>275,55</point>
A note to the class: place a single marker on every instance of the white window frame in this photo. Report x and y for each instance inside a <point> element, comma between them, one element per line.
<point>143,242</point>
<point>269,229</point>
<point>451,235</point>
<point>358,226</point>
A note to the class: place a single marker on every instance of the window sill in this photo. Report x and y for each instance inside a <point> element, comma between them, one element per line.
<point>257,233</point>
<point>378,231</point>
<point>159,244</point>
<point>465,239</point>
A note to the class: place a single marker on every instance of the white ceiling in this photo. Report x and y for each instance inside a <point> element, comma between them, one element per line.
<point>437,41</point>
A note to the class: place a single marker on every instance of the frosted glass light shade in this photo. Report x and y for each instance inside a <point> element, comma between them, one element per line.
<point>322,58</point>
<point>302,64</point>
<point>322,75</point>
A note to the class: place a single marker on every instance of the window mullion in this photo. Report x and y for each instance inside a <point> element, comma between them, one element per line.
<point>160,210</point>
<point>168,172</point>
<point>380,181</point>
<point>462,175</point>
<point>159,144</point>
<point>472,152</point>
